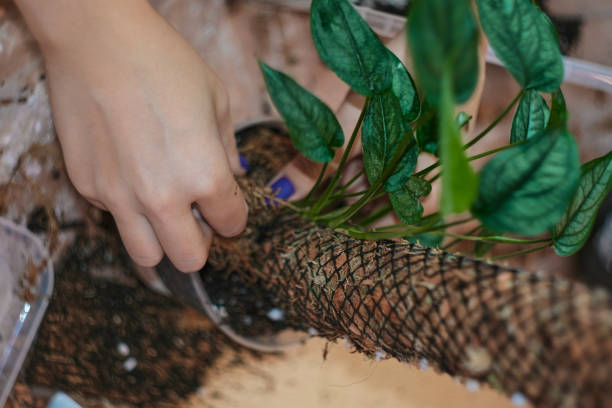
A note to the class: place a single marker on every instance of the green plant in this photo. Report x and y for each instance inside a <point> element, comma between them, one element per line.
<point>532,192</point>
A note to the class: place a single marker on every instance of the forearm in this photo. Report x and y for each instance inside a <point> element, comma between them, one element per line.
<point>60,23</point>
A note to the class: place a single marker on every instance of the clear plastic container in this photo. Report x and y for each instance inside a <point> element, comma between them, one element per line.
<point>577,71</point>
<point>26,283</point>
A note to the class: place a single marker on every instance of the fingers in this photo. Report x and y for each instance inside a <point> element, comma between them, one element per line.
<point>228,138</point>
<point>138,238</point>
<point>225,210</point>
<point>182,238</point>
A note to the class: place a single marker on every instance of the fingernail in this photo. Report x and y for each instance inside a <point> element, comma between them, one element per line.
<point>283,188</point>
<point>244,163</point>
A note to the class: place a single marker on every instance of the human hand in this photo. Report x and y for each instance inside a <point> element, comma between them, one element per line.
<point>144,126</point>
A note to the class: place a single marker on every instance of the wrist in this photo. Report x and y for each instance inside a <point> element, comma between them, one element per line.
<point>72,24</point>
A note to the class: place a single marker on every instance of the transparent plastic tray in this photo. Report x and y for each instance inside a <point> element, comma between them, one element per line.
<point>577,71</point>
<point>26,282</point>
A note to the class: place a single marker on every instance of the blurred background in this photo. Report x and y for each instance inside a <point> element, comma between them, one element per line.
<point>108,341</point>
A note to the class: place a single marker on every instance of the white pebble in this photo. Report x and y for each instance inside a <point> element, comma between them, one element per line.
<point>472,385</point>
<point>123,349</point>
<point>424,364</point>
<point>348,343</point>
<point>380,355</point>
<point>518,399</point>
<point>130,364</point>
<point>9,159</point>
<point>276,314</point>
<point>221,311</point>
<point>312,332</point>
<point>33,169</point>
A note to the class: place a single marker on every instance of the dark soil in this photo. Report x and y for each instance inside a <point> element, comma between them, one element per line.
<point>241,297</point>
<point>95,330</point>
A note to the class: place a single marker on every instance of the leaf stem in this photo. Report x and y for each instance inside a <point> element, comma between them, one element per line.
<point>430,221</point>
<point>495,122</point>
<point>330,215</point>
<point>350,182</point>
<point>523,252</point>
<point>322,201</point>
<point>317,183</point>
<point>403,146</point>
<point>428,169</point>
<point>498,239</point>
<point>348,195</point>
<point>457,240</point>
<point>376,215</point>
<point>493,151</point>
<point>385,233</point>
<point>471,158</point>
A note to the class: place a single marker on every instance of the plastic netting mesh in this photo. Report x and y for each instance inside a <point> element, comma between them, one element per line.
<point>543,336</point>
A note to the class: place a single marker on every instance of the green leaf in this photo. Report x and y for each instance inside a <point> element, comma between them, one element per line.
<point>530,118</point>
<point>427,133</point>
<point>443,33</point>
<point>383,129</point>
<point>572,231</point>
<point>481,248</point>
<point>313,127</point>
<point>405,201</point>
<point>526,189</point>
<point>558,113</point>
<point>463,119</point>
<point>426,239</point>
<point>524,39</point>
<point>459,182</point>
<point>349,47</point>
<point>419,186</point>
<point>404,89</point>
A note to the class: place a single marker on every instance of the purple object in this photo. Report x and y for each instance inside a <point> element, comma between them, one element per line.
<point>244,163</point>
<point>283,187</point>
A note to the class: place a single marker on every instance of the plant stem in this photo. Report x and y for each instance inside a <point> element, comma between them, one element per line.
<point>434,178</point>
<point>376,215</point>
<point>350,182</point>
<point>322,201</point>
<point>498,239</point>
<point>428,169</point>
<point>387,233</point>
<point>403,146</point>
<point>348,195</point>
<point>493,151</point>
<point>330,215</point>
<point>457,240</point>
<point>317,183</point>
<point>425,227</point>
<point>523,252</point>
<point>495,122</point>
<point>471,158</point>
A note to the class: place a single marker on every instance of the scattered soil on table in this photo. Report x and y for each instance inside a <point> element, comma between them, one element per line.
<point>125,344</point>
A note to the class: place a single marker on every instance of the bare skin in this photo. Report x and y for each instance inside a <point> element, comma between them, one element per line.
<point>141,119</point>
